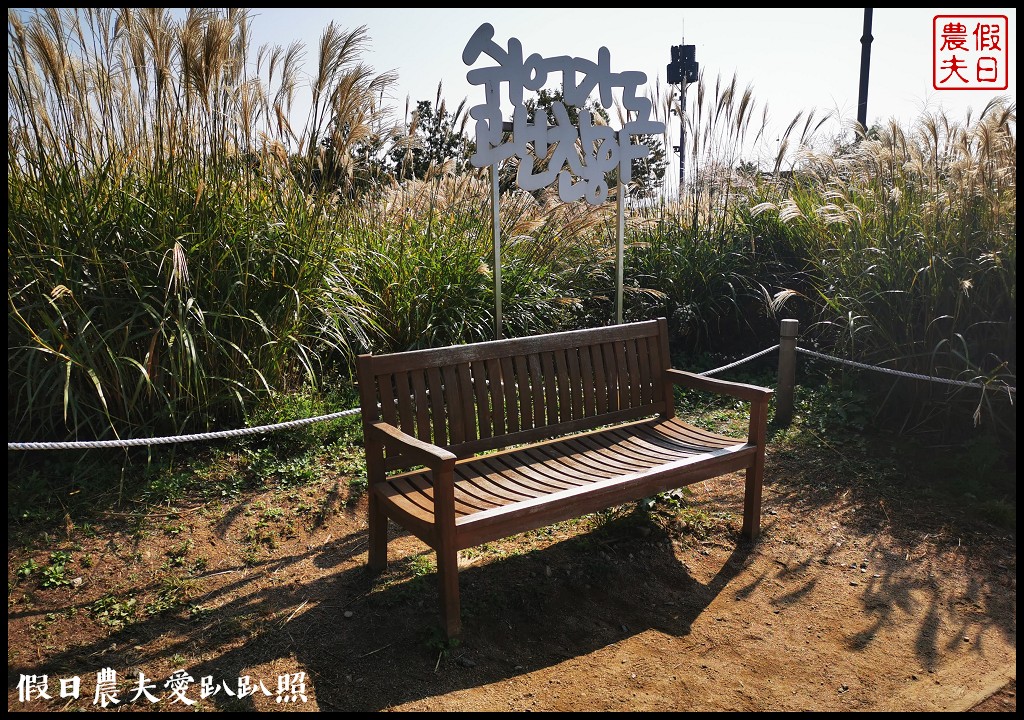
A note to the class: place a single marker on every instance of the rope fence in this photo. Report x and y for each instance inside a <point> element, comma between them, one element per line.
<point>784,400</point>
<point>902,373</point>
<point>136,442</point>
<point>739,362</point>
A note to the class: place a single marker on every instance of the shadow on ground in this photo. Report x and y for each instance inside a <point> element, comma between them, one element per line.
<point>521,613</point>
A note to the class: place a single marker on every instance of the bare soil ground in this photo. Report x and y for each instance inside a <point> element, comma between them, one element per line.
<point>856,597</point>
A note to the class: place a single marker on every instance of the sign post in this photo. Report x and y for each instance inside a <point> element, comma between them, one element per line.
<point>496,226</point>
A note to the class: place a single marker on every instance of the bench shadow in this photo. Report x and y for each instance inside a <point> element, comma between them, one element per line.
<point>521,613</point>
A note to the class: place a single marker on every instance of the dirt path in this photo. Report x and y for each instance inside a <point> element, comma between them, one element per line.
<point>837,607</point>
<point>818,616</point>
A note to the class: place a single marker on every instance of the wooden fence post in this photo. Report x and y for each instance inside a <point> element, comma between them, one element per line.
<point>787,371</point>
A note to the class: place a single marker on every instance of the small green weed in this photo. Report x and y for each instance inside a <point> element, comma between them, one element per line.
<point>175,592</point>
<point>56,573</point>
<point>357,485</point>
<point>178,553</point>
<point>261,534</point>
<point>114,612</point>
<point>174,528</point>
<point>671,499</point>
<point>421,565</point>
<point>700,523</point>
<point>26,569</point>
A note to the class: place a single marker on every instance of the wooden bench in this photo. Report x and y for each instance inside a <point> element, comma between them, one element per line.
<point>501,437</point>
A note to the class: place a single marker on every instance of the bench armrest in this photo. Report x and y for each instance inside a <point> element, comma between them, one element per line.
<point>434,457</point>
<point>741,391</point>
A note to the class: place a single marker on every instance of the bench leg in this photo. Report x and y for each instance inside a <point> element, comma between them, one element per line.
<point>448,577</point>
<point>752,500</point>
<point>378,552</point>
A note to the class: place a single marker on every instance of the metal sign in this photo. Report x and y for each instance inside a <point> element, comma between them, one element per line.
<point>580,157</point>
<point>579,173</point>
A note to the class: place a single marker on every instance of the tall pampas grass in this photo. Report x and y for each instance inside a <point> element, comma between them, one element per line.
<point>909,240</point>
<point>166,266</point>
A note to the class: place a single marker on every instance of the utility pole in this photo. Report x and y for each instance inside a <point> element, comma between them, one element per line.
<point>682,71</point>
<point>682,136</point>
<point>865,66</point>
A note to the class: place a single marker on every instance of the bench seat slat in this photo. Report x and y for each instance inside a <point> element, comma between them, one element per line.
<point>568,465</point>
<point>420,493</point>
<point>599,495</point>
<point>488,484</point>
<point>474,494</point>
<point>598,453</point>
<point>613,451</point>
<point>513,482</point>
<point>521,475</point>
<point>530,475</point>
<point>656,445</point>
<point>634,452</point>
<point>544,432</point>
<point>538,467</point>
<point>676,438</point>
<point>688,433</point>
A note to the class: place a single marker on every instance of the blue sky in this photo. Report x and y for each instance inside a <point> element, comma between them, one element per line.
<point>793,59</point>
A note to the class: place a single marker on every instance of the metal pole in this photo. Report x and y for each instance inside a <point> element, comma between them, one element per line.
<point>620,242</point>
<point>784,393</point>
<point>496,224</point>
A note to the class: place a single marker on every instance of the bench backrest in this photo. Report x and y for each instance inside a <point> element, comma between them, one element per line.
<point>481,396</point>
